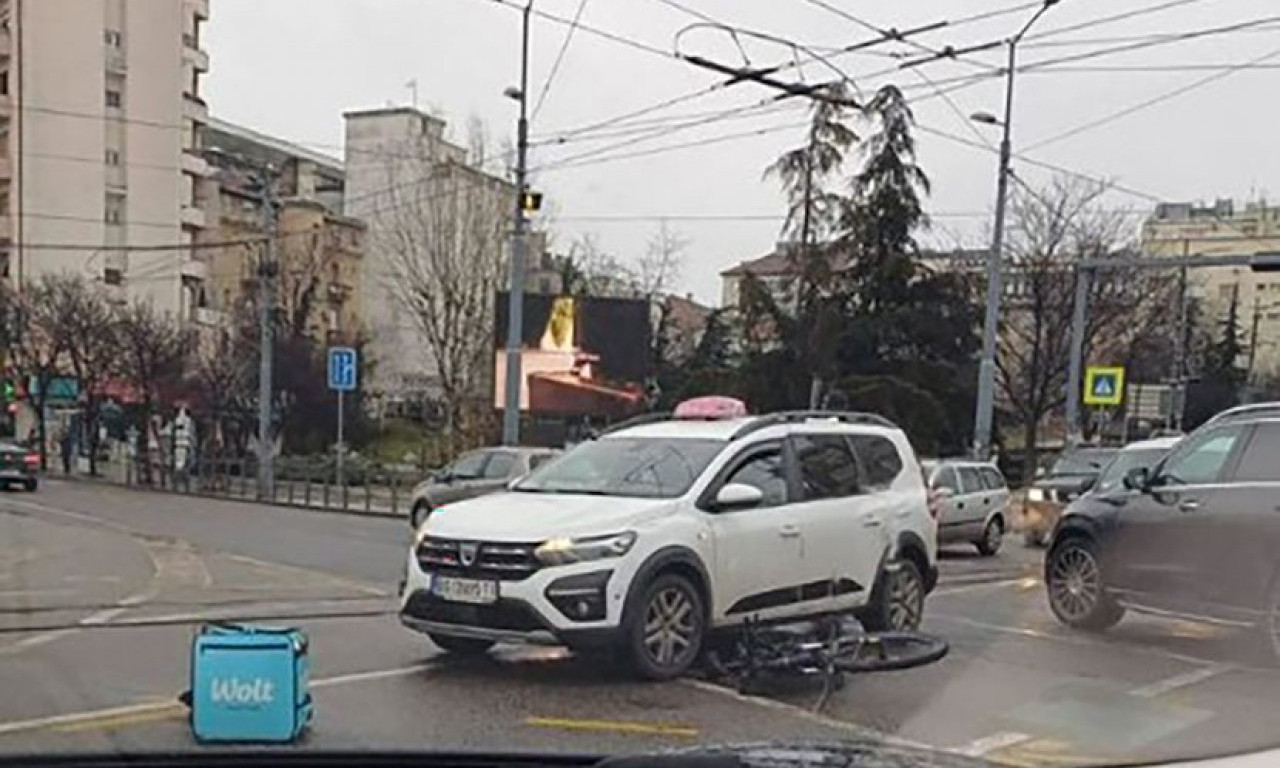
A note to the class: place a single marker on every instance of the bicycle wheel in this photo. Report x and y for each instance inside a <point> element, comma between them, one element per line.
<point>888,651</point>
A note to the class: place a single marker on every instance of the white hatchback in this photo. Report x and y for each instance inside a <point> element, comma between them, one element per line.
<point>652,536</point>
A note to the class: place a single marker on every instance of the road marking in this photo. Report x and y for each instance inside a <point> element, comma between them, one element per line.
<point>149,711</point>
<point>945,588</point>
<point>612,726</point>
<point>360,586</point>
<point>996,741</point>
<point>1161,687</point>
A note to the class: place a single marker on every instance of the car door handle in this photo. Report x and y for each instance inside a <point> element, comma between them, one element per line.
<point>872,522</point>
<point>1190,505</point>
<point>789,531</point>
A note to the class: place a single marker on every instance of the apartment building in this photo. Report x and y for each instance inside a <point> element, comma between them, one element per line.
<point>405,178</point>
<point>320,251</point>
<point>100,124</point>
<point>1220,229</point>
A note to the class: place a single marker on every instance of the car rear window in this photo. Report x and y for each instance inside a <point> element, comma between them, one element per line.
<point>992,478</point>
<point>880,460</point>
<point>970,479</point>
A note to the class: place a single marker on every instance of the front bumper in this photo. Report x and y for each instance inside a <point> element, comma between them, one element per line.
<point>523,613</point>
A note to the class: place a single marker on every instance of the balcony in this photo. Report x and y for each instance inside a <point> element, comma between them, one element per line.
<point>195,165</point>
<point>6,42</point>
<point>207,316</point>
<point>6,226</point>
<point>114,60</point>
<point>194,109</point>
<point>194,269</point>
<point>6,107</point>
<point>198,59</point>
<point>193,217</point>
<point>6,168</point>
<point>200,8</point>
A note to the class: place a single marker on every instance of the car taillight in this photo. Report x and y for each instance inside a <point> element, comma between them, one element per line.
<point>31,459</point>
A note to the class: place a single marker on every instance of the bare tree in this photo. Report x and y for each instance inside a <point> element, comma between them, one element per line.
<point>1051,230</point>
<point>660,267</point>
<point>227,378</point>
<point>443,237</point>
<point>36,343</point>
<point>154,353</point>
<point>91,330</point>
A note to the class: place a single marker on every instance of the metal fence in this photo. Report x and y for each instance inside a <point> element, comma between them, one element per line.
<point>299,481</point>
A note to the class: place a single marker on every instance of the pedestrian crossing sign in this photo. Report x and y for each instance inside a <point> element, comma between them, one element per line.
<point>1104,385</point>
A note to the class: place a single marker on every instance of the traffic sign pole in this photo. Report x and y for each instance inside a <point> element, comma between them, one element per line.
<point>342,480</point>
<point>343,371</point>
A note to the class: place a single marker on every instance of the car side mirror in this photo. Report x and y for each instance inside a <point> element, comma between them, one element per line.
<point>738,496</point>
<point>1137,479</point>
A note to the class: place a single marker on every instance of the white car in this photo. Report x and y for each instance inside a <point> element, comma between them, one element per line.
<point>972,502</point>
<point>650,537</point>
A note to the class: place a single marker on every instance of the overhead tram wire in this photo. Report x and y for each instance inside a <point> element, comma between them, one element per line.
<point>1109,19</point>
<point>555,66</point>
<point>1151,102</point>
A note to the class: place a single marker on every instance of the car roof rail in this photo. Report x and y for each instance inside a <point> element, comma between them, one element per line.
<point>1244,411</point>
<point>799,417</point>
<point>636,421</point>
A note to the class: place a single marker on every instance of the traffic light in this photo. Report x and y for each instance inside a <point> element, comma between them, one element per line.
<point>531,202</point>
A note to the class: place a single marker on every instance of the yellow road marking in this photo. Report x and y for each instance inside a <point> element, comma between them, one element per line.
<point>110,722</point>
<point>613,726</point>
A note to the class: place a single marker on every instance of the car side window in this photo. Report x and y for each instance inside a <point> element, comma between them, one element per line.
<point>468,467</point>
<point>946,480</point>
<point>766,471</point>
<point>538,459</point>
<point>993,479</point>
<point>971,479</point>
<point>1200,461</point>
<point>1261,458</point>
<point>880,460</point>
<point>499,466</point>
<point>827,467</point>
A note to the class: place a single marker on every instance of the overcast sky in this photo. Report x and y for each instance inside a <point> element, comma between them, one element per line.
<point>291,67</point>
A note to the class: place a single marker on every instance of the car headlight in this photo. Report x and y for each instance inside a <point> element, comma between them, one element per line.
<point>562,551</point>
<point>1035,494</point>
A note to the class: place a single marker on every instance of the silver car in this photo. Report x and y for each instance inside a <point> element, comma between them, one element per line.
<point>473,474</point>
<point>970,500</point>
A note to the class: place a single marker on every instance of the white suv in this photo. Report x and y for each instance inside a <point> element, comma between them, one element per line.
<point>650,537</point>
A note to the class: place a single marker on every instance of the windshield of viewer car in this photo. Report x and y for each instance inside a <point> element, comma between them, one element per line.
<point>626,466</point>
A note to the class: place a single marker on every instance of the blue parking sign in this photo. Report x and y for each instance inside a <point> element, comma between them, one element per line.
<point>344,369</point>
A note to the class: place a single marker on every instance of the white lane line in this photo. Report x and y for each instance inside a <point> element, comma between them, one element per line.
<point>1168,685</point>
<point>951,588</point>
<point>996,741</point>
<point>75,718</point>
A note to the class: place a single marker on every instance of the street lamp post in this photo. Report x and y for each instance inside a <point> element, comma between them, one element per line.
<point>515,294</point>
<point>991,322</point>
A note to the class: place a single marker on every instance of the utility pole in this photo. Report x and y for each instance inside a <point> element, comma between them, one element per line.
<point>1074,373</point>
<point>515,295</point>
<point>1179,397</point>
<point>266,312</point>
<point>983,416</point>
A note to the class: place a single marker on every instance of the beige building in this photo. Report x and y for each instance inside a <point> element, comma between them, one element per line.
<point>403,174</point>
<point>1187,229</point>
<point>100,124</point>
<point>319,250</point>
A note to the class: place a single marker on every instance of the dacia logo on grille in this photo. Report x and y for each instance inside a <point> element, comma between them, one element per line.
<point>467,552</point>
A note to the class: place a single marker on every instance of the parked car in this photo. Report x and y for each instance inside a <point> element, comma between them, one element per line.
<point>1071,475</point>
<point>1196,535</point>
<point>18,466</point>
<point>651,537</point>
<point>971,500</point>
<point>474,474</point>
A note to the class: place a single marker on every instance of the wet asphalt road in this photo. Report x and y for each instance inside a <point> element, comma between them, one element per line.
<point>100,589</point>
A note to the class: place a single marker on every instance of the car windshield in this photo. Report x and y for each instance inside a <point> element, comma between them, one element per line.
<point>1086,462</point>
<point>626,466</point>
<point>1112,476</point>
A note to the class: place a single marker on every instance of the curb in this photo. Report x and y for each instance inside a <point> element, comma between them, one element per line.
<point>374,513</point>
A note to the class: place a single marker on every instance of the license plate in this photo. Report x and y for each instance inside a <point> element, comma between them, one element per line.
<point>465,590</point>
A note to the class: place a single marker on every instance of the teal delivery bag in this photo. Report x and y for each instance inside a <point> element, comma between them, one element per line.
<point>249,684</point>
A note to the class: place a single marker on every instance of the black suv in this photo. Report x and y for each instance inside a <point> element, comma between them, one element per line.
<point>1197,535</point>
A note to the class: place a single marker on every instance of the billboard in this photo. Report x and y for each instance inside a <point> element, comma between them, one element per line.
<point>579,356</point>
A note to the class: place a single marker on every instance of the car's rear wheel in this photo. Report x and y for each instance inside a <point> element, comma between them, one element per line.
<point>666,628</point>
<point>1077,593</point>
<point>897,601</point>
<point>462,646</point>
<point>992,538</point>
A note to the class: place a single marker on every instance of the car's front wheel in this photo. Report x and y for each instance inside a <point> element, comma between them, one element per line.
<point>462,646</point>
<point>666,628</point>
<point>897,601</point>
<point>1077,593</point>
<point>419,513</point>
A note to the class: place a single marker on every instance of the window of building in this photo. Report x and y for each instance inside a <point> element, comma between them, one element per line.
<point>114,98</point>
<point>4,83</point>
<point>114,209</point>
<point>112,157</point>
<point>1224,292</point>
<point>112,38</point>
<point>112,276</point>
